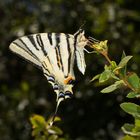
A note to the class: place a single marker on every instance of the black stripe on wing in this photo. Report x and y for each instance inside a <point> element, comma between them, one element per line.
<point>57,37</point>
<point>55,87</point>
<point>50,38</point>
<point>69,52</point>
<point>27,58</point>
<point>61,95</point>
<point>32,40</point>
<point>75,37</point>
<point>44,65</point>
<point>51,79</point>
<point>57,57</point>
<point>40,43</point>
<point>46,74</point>
<point>68,94</point>
<point>29,51</point>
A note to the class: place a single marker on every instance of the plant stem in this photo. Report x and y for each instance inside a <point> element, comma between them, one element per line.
<point>128,85</point>
<point>107,58</point>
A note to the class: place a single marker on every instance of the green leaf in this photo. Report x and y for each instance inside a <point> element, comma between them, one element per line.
<point>133,95</point>
<point>123,55</point>
<point>122,71</point>
<point>56,119</point>
<point>127,137</point>
<point>131,108</point>
<point>62,139</point>
<point>49,121</point>
<point>113,65</point>
<point>37,121</point>
<point>104,76</point>
<point>130,129</point>
<point>124,61</point>
<point>53,137</point>
<point>106,67</point>
<point>113,87</point>
<point>55,130</point>
<point>37,132</point>
<point>116,69</point>
<point>137,123</point>
<point>114,76</point>
<point>109,89</point>
<point>134,80</point>
<point>95,77</point>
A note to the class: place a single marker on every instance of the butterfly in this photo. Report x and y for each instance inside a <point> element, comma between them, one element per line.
<point>54,54</point>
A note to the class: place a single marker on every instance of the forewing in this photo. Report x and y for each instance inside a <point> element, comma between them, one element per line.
<point>55,50</point>
<point>66,49</point>
<point>80,59</point>
<point>80,42</point>
<point>30,48</point>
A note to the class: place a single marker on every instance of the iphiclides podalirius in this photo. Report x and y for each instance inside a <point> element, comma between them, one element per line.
<point>54,53</point>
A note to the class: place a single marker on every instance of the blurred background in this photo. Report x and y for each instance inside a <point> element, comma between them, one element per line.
<point>24,91</point>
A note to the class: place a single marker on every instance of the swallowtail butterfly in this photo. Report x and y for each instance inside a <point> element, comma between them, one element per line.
<point>54,53</point>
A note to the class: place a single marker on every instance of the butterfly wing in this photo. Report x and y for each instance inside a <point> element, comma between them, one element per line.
<point>80,43</point>
<point>28,52</point>
<point>52,52</point>
<point>80,59</point>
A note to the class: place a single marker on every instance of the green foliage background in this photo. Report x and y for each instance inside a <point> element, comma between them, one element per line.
<point>25,91</point>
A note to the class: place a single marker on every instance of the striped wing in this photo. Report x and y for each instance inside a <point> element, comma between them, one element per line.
<point>80,58</point>
<point>52,52</point>
<point>81,42</point>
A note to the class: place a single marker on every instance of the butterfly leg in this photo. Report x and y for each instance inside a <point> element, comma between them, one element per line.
<point>89,51</point>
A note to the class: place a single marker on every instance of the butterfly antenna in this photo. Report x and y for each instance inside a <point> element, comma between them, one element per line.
<point>93,39</point>
<point>80,29</point>
<point>83,24</point>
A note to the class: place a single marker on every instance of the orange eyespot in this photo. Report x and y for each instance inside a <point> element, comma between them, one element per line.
<point>68,80</point>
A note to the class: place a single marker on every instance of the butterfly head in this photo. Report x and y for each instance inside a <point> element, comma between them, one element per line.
<point>81,40</point>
